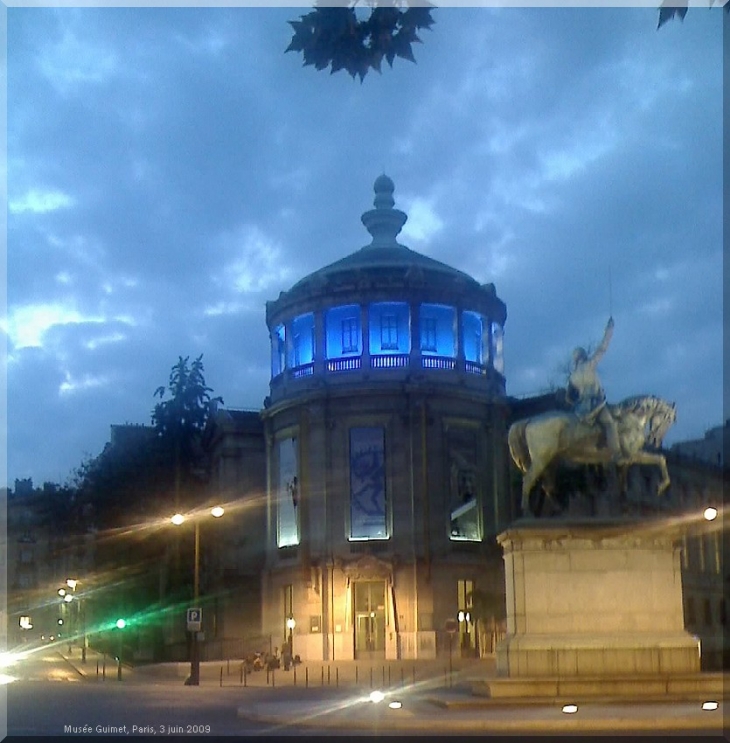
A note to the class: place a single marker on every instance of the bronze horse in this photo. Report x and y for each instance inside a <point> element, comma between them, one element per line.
<point>539,442</point>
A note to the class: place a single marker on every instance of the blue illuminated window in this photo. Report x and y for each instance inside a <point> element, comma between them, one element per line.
<point>475,337</point>
<point>428,334</point>
<point>389,328</point>
<point>342,331</point>
<point>302,347</point>
<point>389,333</point>
<point>498,347</point>
<point>350,335</point>
<point>278,350</point>
<point>438,330</point>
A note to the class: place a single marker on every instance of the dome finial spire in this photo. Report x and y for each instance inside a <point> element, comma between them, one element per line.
<point>384,222</point>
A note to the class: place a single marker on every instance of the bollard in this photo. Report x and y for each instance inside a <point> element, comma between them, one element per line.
<point>97,669</point>
<point>103,668</point>
<point>243,670</point>
<point>221,682</point>
<point>402,679</point>
<point>383,675</point>
<point>245,674</point>
<point>388,676</point>
<point>119,669</point>
<point>321,682</point>
<point>356,675</point>
<point>371,677</point>
<point>267,675</point>
<point>273,678</point>
<point>337,677</point>
<point>306,677</point>
<point>328,675</point>
<point>295,675</point>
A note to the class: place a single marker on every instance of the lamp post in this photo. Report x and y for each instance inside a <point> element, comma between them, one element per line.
<point>177,519</point>
<point>290,624</point>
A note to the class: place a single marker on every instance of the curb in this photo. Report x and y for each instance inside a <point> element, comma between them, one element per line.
<point>446,724</point>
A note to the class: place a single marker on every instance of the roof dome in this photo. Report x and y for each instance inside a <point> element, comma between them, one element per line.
<point>384,223</point>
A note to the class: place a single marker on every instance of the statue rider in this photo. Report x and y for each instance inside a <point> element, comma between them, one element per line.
<point>586,394</point>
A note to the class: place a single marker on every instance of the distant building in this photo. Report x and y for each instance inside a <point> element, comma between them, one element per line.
<point>713,448</point>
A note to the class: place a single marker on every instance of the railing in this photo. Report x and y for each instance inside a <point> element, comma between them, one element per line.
<point>390,361</point>
<point>438,362</point>
<point>472,367</point>
<point>305,370</point>
<point>352,363</point>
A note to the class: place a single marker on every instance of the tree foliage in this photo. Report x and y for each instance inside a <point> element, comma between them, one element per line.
<point>334,37</point>
<point>678,9</point>
<point>180,420</point>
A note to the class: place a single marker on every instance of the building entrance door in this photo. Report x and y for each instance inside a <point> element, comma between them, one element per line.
<point>369,603</point>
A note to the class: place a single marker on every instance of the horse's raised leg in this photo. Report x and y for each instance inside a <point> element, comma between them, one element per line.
<point>645,457</point>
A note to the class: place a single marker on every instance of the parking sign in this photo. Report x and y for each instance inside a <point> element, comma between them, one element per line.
<point>195,620</point>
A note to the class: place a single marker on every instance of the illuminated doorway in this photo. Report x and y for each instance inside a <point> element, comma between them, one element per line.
<point>369,600</point>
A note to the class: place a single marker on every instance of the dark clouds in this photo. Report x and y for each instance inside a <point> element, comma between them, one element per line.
<point>170,170</point>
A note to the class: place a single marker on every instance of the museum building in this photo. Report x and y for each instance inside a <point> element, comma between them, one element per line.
<point>387,469</point>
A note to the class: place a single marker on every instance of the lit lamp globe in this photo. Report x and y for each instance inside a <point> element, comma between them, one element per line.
<point>710,513</point>
<point>217,512</point>
<point>177,519</point>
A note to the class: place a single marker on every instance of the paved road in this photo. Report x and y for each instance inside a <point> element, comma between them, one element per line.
<point>54,695</point>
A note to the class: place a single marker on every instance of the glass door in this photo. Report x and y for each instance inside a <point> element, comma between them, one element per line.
<point>369,619</point>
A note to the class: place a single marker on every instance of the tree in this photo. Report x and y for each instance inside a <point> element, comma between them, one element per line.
<point>335,37</point>
<point>180,421</point>
<point>678,8</point>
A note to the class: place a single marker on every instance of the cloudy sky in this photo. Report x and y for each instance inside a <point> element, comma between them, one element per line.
<point>170,170</point>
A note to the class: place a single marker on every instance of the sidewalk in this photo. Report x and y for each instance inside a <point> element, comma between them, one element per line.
<point>434,704</point>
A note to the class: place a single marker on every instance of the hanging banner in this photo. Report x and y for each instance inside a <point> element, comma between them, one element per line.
<point>367,484</point>
<point>288,493</point>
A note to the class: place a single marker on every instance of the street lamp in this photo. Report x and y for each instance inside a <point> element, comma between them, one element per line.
<point>290,624</point>
<point>72,583</point>
<point>178,519</point>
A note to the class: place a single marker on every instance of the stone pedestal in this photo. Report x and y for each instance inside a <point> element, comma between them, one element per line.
<point>593,598</point>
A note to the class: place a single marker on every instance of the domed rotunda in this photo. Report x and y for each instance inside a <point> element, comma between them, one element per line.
<point>387,468</point>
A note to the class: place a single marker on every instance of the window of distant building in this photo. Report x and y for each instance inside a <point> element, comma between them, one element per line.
<point>288,493</point>
<point>438,330</point>
<point>278,350</point>
<point>342,331</point>
<point>302,347</point>
<point>389,328</point>
<point>368,498</point>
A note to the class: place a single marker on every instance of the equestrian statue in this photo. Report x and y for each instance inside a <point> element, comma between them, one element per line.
<point>592,431</point>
